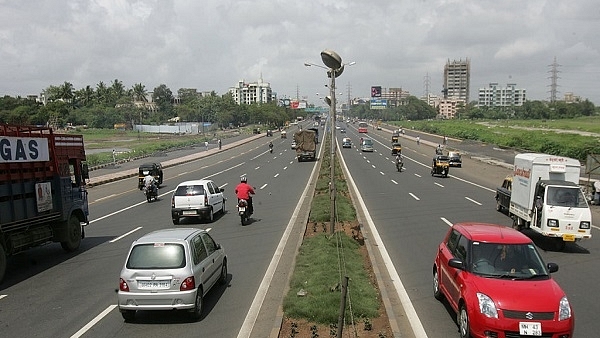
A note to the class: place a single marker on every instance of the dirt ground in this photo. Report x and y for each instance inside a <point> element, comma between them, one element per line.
<point>375,328</point>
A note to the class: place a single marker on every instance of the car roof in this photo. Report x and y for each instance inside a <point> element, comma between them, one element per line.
<point>194,182</point>
<point>491,233</point>
<point>168,235</point>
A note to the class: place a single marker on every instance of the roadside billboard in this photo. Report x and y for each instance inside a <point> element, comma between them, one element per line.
<point>378,103</point>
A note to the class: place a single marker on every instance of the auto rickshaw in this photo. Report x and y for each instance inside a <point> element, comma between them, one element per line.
<point>395,136</point>
<point>396,148</point>
<point>283,134</point>
<point>154,169</point>
<point>440,165</point>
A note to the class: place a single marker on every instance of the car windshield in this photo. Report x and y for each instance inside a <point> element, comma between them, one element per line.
<point>157,256</point>
<point>517,261</point>
<point>367,142</point>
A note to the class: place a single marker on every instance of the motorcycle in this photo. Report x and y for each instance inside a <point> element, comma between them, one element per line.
<point>243,211</point>
<point>399,165</point>
<point>151,193</point>
<point>271,148</point>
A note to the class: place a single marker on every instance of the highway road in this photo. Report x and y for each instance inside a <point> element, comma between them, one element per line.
<point>412,212</point>
<point>48,293</point>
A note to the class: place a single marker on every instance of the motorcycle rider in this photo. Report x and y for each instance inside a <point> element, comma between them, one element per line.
<point>438,150</point>
<point>270,146</point>
<point>245,191</point>
<point>399,160</point>
<point>150,184</point>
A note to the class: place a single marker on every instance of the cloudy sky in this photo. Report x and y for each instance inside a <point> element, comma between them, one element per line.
<point>211,45</point>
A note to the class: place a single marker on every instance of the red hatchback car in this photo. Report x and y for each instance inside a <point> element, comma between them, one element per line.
<point>495,280</point>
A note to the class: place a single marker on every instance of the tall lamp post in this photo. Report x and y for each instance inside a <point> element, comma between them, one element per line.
<point>334,68</point>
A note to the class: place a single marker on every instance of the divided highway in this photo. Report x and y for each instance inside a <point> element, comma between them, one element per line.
<point>48,293</point>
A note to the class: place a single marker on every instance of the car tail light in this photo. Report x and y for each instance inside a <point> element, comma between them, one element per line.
<point>206,199</point>
<point>173,201</point>
<point>188,284</point>
<point>123,285</point>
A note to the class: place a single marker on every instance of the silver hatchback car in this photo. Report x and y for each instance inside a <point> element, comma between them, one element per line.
<point>171,269</point>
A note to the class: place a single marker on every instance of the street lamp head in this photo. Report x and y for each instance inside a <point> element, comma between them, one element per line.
<point>328,100</point>
<point>331,59</point>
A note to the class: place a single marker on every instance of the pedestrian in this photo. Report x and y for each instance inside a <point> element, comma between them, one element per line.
<point>206,145</point>
<point>219,144</point>
<point>445,139</point>
<point>418,140</point>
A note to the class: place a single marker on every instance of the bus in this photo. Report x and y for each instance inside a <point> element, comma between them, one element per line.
<point>362,127</point>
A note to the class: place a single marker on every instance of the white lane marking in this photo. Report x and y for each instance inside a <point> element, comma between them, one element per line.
<point>257,168</point>
<point>414,196</point>
<point>125,235</point>
<point>394,182</point>
<point>263,186</point>
<point>446,221</point>
<point>368,161</point>
<point>372,165</point>
<point>472,200</point>
<point>409,309</point>
<point>439,185</point>
<point>418,175</point>
<point>276,175</point>
<point>94,321</point>
<point>105,197</point>
<point>382,173</point>
<point>285,168</point>
<point>2,296</point>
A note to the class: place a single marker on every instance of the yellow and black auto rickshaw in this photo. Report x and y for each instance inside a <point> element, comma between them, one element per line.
<point>440,166</point>
<point>396,148</point>
<point>154,169</point>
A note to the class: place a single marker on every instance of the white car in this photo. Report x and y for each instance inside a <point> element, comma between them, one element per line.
<point>171,269</point>
<point>293,144</point>
<point>367,145</point>
<point>199,199</point>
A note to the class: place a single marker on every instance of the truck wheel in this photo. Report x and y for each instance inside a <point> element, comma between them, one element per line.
<point>73,235</point>
<point>2,262</point>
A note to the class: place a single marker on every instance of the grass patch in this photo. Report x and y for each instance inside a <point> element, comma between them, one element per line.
<point>317,274</point>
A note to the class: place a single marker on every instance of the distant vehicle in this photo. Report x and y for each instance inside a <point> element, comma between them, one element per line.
<point>306,144</point>
<point>342,130</point>
<point>293,145</point>
<point>455,159</point>
<point>378,127</point>
<point>198,199</point>
<point>283,134</point>
<point>496,282</point>
<point>171,269</point>
<point>396,148</point>
<point>395,136</point>
<point>440,166</point>
<point>346,143</point>
<point>363,127</point>
<point>367,145</point>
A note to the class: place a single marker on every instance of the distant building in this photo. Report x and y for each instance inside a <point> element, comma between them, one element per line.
<point>457,76</point>
<point>496,96</point>
<point>249,93</point>
<point>395,96</point>
<point>448,108</point>
<point>572,98</point>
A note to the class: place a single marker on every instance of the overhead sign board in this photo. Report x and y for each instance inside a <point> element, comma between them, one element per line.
<point>378,103</point>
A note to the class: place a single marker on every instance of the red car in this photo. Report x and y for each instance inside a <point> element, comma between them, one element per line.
<point>497,283</point>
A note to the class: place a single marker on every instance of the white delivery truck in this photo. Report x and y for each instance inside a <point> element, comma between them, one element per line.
<point>546,197</point>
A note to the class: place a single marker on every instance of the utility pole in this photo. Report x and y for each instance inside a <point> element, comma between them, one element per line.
<point>553,80</point>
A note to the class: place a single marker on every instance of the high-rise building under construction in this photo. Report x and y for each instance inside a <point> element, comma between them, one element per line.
<point>456,80</point>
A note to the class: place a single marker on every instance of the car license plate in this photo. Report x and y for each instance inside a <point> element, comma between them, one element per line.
<point>242,209</point>
<point>530,329</point>
<point>154,284</point>
<point>189,212</point>
<point>568,237</point>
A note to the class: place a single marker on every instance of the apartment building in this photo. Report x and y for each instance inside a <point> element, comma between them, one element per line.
<point>249,93</point>
<point>497,96</point>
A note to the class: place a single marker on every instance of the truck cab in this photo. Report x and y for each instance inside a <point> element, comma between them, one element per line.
<point>503,195</point>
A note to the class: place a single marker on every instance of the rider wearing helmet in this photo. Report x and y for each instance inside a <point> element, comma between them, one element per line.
<point>245,191</point>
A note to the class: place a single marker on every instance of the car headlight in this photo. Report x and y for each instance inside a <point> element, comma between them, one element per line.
<point>564,309</point>
<point>553,223</point>
<point>487,306</point>
<point>584,225</point>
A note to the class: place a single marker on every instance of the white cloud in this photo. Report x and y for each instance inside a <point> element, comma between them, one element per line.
<point>210,45</point>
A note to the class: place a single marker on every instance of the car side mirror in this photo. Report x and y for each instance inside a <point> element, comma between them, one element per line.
<point>552,267</point>
<point>221,189</point>
<point>456,263</point>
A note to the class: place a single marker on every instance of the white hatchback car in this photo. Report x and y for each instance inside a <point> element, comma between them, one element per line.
<point>199,199</point>
<point>171,269</point>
